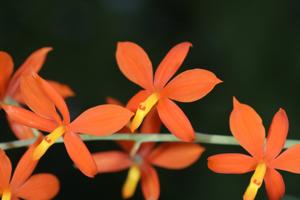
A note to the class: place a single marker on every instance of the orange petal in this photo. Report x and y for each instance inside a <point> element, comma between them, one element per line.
<point>55,97</point>
<point>152,123</point>
<point>231,163</point>
<point>39,186</point>
<point>63,89</point>
<point>101,120</point>
<point>32,64</point>
<point>171,63</point>
<point>150,182</point>
<point>175,155</point>
<point>135,64</point>
<point>135,101</point>
<point>111,100</point>
<point>275,186</point>
<point>80,154</point>
<point>191,85</point>
<point>21,132</point>
<point>246,126</point>
<point>5,169</point>
<point>25,166</point>
<point>277,134</point>
<point>28,118</point>
<point>289,160</point>
<point>6,69</point>
<point>36,99</point>
<point>175,120</point>
<point>111,161</point>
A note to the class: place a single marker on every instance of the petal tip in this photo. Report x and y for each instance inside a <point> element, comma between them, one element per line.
<point>235,102</point>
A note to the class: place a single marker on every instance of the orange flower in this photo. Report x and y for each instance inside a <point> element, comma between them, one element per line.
<point>188,86</point>
<point>167,155</point>
<point>246,126</point>
<point>22,184</point>
<point>9,85</point>
<point>48,107</point>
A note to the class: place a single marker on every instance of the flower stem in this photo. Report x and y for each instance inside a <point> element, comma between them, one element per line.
<point>141,138</point>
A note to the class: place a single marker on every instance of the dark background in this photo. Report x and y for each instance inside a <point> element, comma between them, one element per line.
<point>253,46</point>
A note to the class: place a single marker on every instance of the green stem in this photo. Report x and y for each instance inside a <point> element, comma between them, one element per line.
<point>141,138</point>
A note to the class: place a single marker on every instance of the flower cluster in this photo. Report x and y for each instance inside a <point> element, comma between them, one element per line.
<point>35,106</point>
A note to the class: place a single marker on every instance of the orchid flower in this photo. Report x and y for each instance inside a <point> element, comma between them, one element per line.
<point>159,92</point>
<point>166,155</point>
<point>266,157</point>
<point>50,114</point>
<point>22,184</point>
<point>9,84</point>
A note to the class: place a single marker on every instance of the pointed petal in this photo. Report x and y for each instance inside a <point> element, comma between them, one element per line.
<point>80,154</point>
<point>6,69</point>
<point>275,186</point>
<point>289,160</point>
<point>111,100</point>
<point>36,99</point>
<point>152,123</point>
<point>64,90</point>
<point>5,170</point>
<point>150,182</point>
<point>191,85</point>
<point>28,118</point>
<point>101,120</point>
<point>231,163</point>
<point>135,101</point>
<point>135,64</point>
<point>55,97</point>
<point>277,134</point>
<point>246,126</point>
<point>39,186</point>
<point>21,132</point>
<point>175,155</point>
<point>25,166</point>
<point>175,120</point>
<point>32,64</point>
<point>112,161</point>
<point>171,63</point>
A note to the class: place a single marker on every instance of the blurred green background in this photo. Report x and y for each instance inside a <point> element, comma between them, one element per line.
<point>253,46</point>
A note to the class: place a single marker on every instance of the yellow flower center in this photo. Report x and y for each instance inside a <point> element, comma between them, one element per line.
<point>255,182</point>
<point>133,177</point>
<point>143,109</point>
<point>6,195</point>
<point>48,141</point>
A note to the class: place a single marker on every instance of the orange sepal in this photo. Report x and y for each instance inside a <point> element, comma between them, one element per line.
<point>150,182</point>
<point>39,186</point>
<point>175,155</point>
<point>21,132</point>
<point>6,69</point>
<point>171,63</point>
<point>277,134</point>
<point>191,85</point>
<point>151,123</point>
<point>28,118</point>
<point>231,163</point>
<point>101,120</point>
<point>25,166</point>
<point>111,161</point>
<point>247,127</point>
<point>64,90</point>
<point>288,160</point>
<point>80,154</point>
<point>111,100</point>
<point>275,186</point>
<point>32,64</point>
<point>5,169</point>
<point>175,120</point>
<point>135,64</point>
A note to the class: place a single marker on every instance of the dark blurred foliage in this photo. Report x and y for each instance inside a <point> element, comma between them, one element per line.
<point>253,46</point>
